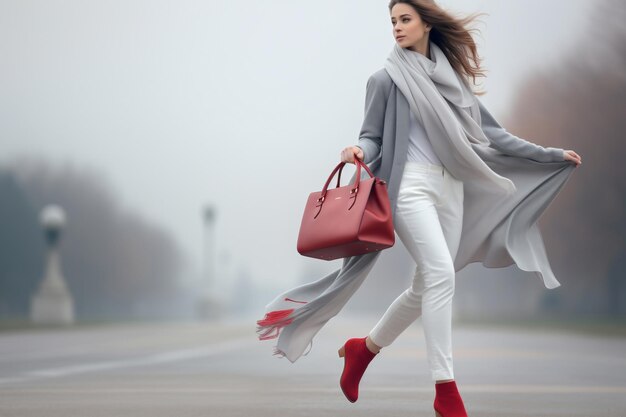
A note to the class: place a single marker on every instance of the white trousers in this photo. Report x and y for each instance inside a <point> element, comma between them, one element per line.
<point>429,217</point>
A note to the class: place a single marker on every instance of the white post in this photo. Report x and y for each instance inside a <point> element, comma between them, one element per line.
<point>52,304</point>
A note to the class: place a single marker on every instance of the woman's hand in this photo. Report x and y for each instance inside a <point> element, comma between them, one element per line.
<point>570,155</point>
<point>348,153</point>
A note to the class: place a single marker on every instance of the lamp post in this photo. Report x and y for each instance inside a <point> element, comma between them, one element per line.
<point>209,216</point>
<point>52,303</point>
<point>209,306</point>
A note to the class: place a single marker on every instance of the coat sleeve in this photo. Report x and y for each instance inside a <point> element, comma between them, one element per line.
<point>371,134</point>
<point>512,145</point>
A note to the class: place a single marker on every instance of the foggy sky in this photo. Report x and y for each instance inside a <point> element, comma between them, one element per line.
<point>242,104</point>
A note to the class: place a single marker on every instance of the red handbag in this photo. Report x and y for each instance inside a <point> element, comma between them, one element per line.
<point>349,220</point>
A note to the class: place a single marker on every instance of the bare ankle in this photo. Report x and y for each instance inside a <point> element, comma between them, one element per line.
<point>441,381</point>
<point>373,347</point>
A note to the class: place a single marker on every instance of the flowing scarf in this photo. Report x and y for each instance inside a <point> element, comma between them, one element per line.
<point>444,104</point>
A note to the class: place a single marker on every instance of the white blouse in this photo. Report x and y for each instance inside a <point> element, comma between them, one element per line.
<point>420,149</point>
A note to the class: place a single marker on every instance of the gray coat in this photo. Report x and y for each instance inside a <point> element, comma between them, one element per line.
<point>498,230</point>
<point>538,173</point>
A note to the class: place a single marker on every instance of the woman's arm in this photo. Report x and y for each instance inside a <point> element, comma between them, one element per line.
<point>512,145</point>
<point>371,135</point>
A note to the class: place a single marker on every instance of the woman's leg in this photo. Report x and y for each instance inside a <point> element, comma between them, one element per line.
<point>428,218</point>
<point>437,304</point>
<point>450,210</point>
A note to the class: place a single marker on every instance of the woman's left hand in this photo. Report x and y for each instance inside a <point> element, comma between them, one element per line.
<point>570,155</point>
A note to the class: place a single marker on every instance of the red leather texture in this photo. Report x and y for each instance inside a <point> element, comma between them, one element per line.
<point>349,220</point>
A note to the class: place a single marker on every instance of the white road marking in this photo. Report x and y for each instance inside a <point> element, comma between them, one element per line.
<point>164,357</point>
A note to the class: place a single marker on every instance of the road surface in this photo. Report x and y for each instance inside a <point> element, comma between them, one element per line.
<point>221,369</point>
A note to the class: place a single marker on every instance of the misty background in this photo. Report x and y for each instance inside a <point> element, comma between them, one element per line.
<point>135,116</point>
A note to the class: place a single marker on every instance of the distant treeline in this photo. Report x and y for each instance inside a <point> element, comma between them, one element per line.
<point>579,103</point>
<point>115,262</point>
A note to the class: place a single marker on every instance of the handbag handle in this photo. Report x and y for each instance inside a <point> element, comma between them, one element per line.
<point>339,168</point>
<point>355,161</point>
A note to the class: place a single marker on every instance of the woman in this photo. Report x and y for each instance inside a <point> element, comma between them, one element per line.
<point>462,190</point>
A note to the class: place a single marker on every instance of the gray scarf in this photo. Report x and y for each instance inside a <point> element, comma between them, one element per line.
<point>444,105</point>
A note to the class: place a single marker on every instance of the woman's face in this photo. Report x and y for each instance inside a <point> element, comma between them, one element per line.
<point>408,28</point>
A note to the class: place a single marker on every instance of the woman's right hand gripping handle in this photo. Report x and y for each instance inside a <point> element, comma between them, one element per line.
<point>348,153</point>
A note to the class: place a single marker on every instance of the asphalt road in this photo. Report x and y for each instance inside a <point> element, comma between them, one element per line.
<point>221,369</point>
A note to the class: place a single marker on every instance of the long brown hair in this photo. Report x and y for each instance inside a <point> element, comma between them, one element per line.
<point>450,33</point>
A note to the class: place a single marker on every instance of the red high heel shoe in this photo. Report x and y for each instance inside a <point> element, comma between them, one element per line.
<point>448,402</point>
<point>357,358</point>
